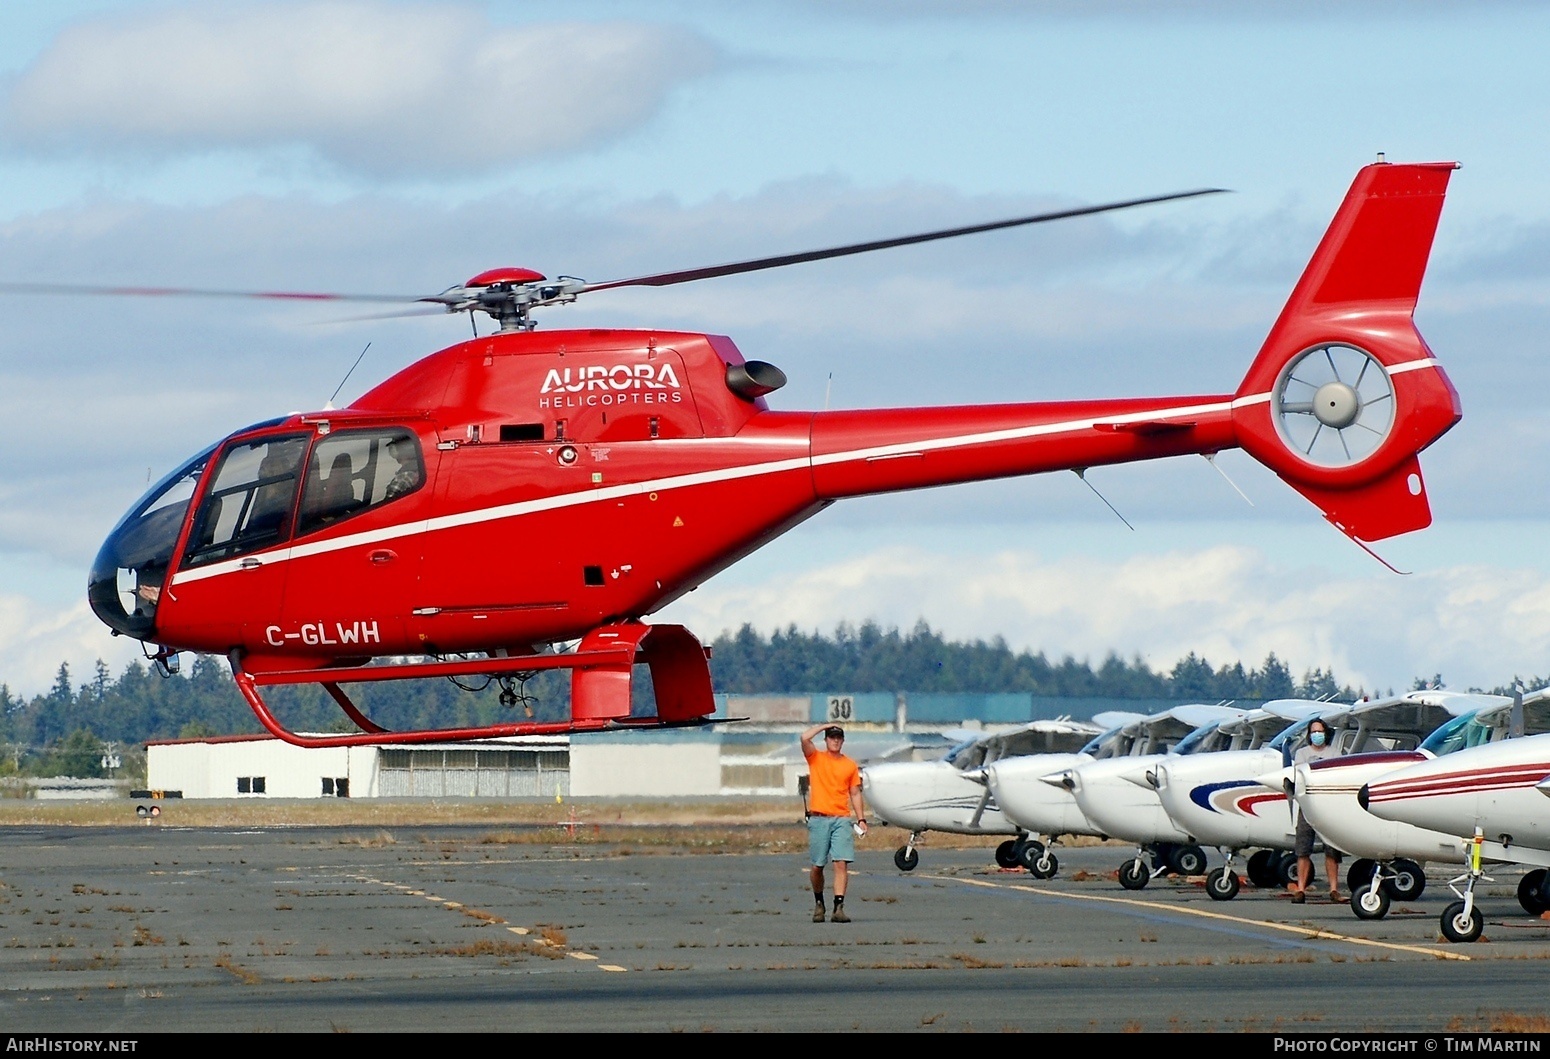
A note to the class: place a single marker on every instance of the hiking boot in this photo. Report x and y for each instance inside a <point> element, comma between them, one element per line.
<point>840,916</point>
<point>818,914</point>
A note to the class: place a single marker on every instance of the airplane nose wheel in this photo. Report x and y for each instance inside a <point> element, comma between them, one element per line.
<point>1461,921</point>
<point>1371,901</point>
<point>1039,861</point>
<point>906,858</point>
<point>1134,875</point>
<point>1222,883</point>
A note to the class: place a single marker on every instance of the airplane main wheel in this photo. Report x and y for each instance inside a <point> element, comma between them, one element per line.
<point>1286,870</point>
<point>1408,880</point>
<point>1262,869</point>
<point>1531,892</point>
<point>1370,901</point>
<point>1006,854</point>
<point>1222,885</point>
<point>1458,927</point>
<point>1187,860</point>
<point>1044,866</point>
<point>906,859</point>
<point>1359,874</point>
<point>1133,874</point>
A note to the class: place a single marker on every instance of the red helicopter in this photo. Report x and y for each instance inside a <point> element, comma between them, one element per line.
<point>487,506</point>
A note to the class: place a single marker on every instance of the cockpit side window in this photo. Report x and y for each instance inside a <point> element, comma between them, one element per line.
<point>356,471</point>
<point>249,502</point>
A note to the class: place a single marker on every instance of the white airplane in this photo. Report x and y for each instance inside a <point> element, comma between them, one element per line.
<point>1047,811</point>
<point>1496,792</point>
<point>1040,796</point>
<point>1120,800</point>
<point>1390,856</point>
<point>1241,802</point>
<point>1214,801</point>
<point>923,796</point>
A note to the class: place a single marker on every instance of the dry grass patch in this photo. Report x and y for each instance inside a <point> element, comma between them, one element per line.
<point>242,974</point>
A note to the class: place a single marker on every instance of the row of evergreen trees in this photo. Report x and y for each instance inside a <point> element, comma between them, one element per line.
<point>139,705</point>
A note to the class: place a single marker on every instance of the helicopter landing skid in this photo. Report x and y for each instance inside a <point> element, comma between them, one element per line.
<point>601,668</point>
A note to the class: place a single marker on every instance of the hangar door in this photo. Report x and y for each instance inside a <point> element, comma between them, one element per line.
<point>441,773</point>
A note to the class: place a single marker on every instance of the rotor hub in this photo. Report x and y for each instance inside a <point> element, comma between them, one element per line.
<point>1336,404</point>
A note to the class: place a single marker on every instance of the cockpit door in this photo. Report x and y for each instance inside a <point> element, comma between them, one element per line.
<point>230,582</point>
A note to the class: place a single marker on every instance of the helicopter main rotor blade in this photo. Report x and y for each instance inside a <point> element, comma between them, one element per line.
<point>664,279</point>
<point>191,292</point>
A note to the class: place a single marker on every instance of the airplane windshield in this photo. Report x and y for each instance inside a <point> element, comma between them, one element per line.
<point>1112,743</point>
<point>133,562</point>
<point>953,755</point>
<point>1458,734</point>
<point>1291,736</point>
<point>1198,740</point>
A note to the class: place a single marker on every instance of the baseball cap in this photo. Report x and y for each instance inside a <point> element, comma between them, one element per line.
<point>834,731</point>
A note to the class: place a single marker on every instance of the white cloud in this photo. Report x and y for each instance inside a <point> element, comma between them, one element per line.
<point>36,637</point>
<point>371,86</point>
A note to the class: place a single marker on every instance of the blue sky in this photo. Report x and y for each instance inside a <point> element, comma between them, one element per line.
<point>380,146</point>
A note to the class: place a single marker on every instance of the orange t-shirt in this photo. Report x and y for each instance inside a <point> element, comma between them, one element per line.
<point>830,778</point>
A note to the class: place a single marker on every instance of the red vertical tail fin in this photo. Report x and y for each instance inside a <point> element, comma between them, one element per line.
<point>1345,393</point>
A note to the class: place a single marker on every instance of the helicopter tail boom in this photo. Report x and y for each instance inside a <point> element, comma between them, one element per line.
<point>1344,393</point>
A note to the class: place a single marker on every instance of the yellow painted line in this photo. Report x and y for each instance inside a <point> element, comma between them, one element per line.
<point>416,893</point>
<point>581,955</point>
<point>609,967</point>
<point>1306,932</point>
<point>517,930</point>
<point>452,904</point>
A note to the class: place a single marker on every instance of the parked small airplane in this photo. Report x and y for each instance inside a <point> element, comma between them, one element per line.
<point>1033,795</point>
<point>1497,793</point>
<point>1241,800</point>
<point>1209,803</point>
<point>936,795</point>
<point>1116,796</point>
<point>1389,859</point>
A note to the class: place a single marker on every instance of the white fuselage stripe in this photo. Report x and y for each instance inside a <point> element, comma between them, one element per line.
<point>726,474</point>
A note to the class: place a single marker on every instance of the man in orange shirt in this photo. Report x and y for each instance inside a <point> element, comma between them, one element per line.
<point>834,792</point>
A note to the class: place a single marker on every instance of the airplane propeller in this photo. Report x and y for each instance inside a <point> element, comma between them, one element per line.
<point>509,295</point>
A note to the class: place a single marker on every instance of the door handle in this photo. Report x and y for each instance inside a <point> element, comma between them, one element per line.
<point>383,555</point>
<point>250,564</point>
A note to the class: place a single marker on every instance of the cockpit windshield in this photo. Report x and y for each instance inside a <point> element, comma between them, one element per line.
<point>127,577</point>
<point>1458,734</point>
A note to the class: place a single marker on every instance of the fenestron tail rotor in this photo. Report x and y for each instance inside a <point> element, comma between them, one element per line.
<point>1334,404</point>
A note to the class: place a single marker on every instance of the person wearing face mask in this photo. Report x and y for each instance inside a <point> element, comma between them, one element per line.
<point>1319,746</point>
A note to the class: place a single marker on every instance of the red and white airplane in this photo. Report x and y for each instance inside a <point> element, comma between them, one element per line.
<point>1492,799</point>
<point>1390,856</point>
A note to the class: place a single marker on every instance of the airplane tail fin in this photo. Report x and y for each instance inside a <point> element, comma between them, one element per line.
<point>1344,393</point>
